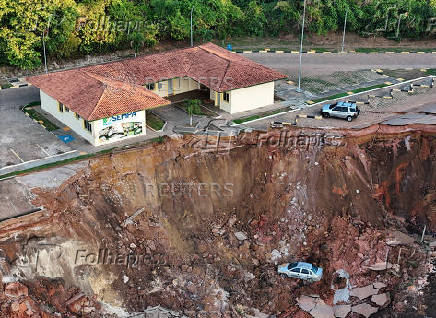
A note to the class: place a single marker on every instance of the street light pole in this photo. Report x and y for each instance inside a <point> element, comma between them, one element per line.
<point>192,37</point>
<point>301,47</point>
<point>45,56</point>
<point>345,27</point>
<point>43,44</point>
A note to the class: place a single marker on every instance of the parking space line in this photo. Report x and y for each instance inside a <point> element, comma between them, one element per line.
<point>13,151</point>
<point>34,160</point>
<point>43,150</point>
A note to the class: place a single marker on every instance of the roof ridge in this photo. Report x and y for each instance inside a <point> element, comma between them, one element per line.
<point>98,103</point>
<point>221,57</point>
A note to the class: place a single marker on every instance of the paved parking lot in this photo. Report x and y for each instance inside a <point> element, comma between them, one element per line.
<point>22,140</point>
<point>403,108</point>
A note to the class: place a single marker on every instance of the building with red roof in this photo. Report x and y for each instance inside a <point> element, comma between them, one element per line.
<point>103,103</point>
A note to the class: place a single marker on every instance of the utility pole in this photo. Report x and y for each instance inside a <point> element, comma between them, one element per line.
<point>301,47</point>
<point>43,44</point>
<point>45,56</point>
<point>345,27</point>
<point>192,36</point>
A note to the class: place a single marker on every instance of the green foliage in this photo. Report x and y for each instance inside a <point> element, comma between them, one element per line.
<point>93,26</point>
<point>192,107</point>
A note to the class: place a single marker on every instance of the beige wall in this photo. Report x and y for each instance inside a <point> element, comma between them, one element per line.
<point>50,105</point>
<point>244,99</point>
<point>250,98</point>
<point>180,85</point>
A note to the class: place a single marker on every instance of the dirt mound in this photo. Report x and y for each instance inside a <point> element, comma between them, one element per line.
<point>198,225</point>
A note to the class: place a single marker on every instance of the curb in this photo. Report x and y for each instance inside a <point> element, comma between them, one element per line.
<point>16,86</point>
<point>309,116</point>
<point>266,50</point>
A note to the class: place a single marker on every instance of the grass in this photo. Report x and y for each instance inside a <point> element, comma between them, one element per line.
<point>364,89</point>
<point>154,121</point>
<point>7,85</point>
<point>38,117</point>
<point>330,97</point>
<point>260,115</point>
<point>392,49</point>
<point>322,50</point>
<point>355,91</point>
<point>431,71</point>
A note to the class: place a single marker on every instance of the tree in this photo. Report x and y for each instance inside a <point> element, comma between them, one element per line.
<point>137,41</point>
<point>192,107</point>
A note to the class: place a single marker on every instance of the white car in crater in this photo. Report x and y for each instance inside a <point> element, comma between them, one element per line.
<point>301,270</point>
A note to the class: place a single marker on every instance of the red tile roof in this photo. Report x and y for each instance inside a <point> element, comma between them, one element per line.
<point>104,90</point>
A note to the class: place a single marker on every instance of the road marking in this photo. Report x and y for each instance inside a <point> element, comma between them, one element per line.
<point>350,93</point>
<point>400,79</point>
<point>295,52</point>
<point>245,52</point>
<point>43,150</point>
<point>279,52</point>
<point>388,83</point>
<point>41,159</point>
<point>13,151</point>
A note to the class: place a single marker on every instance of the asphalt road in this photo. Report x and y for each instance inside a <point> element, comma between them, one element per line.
<point>325,64</point>
<point>16,97</point>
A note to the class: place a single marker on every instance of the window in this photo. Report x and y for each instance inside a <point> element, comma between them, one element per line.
<point>292,265</point>
<point>87,125</point>
<point>67,110</point>
<point>151,86</point>
<point>226,97</point>
<point>61,107</point>
<point>304,271</point>
<point>77,115</point>
<point>295,270</point>
<point>159,85</point>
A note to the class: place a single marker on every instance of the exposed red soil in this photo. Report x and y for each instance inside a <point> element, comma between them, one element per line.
<point>330,198</point>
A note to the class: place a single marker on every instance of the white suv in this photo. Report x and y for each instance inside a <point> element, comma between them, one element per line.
<point>344,110</point>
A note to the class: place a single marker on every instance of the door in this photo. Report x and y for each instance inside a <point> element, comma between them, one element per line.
<point>217,99</point>
<point>339,111</point>
<point>170,87</point>
<point>295,272</point>
<point>304,273</point>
